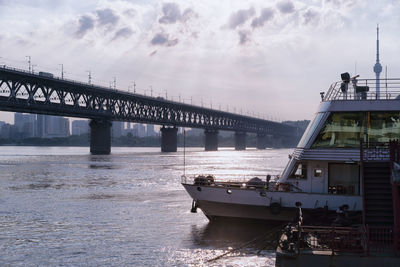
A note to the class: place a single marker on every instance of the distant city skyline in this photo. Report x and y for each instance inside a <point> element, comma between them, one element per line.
<point>270,58</point>
<point>46,126</point>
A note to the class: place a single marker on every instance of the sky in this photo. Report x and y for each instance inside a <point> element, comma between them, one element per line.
<point>264,58</point>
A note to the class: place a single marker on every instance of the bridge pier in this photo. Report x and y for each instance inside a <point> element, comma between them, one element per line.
<point>211,140</point>
<point>261,141</point>
<point>240,140</point>
<point>169,139</point>
<point>100,137</point>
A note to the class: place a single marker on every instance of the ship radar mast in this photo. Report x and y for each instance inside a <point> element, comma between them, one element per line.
<point>377,66</point>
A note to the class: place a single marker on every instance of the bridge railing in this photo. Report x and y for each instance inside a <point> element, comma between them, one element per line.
<point>109,89</point>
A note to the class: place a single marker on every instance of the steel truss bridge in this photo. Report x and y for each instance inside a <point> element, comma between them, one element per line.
<point>28,92</point>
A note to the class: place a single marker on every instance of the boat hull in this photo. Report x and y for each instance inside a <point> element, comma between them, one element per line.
<point>216,211</point>
<point>257,204</point>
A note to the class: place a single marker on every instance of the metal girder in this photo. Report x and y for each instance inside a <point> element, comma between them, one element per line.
<point>22,91</point>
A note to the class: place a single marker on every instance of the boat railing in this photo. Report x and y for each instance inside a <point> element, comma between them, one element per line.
<point>364,89</point>
<point>229,178</point>
<point>241,182</point>
<point>335,239</point>
<point>364,239</point>
<point>380,238</point>
<point>374,151</point>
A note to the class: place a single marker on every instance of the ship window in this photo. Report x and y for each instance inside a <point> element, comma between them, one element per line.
<point>344,129</point>
<point>383,126</point>
<point>310,130</point>
<point>344,179</point>
<point>299,171</point>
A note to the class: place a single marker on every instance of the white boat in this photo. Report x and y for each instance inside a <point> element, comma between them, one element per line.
<point>323,172</point>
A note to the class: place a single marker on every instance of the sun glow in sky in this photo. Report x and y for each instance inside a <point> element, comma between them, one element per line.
<point>264,57</point>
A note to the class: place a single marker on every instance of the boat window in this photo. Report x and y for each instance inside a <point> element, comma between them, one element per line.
<point>299,171</point>
<point>310,130</point>
<point>344,179</point>
<point>344,129</point>
<point>383,126</point>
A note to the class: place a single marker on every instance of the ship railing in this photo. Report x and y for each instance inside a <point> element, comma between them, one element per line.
<point>334,239</point>
<point>365,239</point>
<point>364,89</point>
<point>380,239</point>
<point>241,182</point>
<point>231,177</point>
<point>374,151</point>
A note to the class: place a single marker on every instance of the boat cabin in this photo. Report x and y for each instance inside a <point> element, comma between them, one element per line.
<point>327,158</point>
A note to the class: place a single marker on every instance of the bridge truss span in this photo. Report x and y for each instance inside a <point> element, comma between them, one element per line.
<point>22,91</point>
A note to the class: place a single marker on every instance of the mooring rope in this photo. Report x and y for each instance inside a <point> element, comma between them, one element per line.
<point>269,233</point>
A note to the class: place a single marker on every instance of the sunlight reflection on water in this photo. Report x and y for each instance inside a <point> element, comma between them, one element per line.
<point>62,206</point>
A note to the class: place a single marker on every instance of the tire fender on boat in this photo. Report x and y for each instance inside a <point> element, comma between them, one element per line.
<point>275,208</point>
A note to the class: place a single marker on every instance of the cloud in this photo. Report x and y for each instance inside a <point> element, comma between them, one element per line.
<point>171,13</point>
<point>101,17</point>
<point>130,12</point>
<point>341,3</point>
<point>163,39</point>
<point>266,15</point>
<point>244,37</point>
<point>125,32</point>
<point>107,17</point>
<point>187,14</point>
<point>285,7</point>
<point>86,23</point>
<point>310,16</point>
<point>239,17</point>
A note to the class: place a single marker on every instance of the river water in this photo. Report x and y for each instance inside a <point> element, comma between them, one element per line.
<point>60,206</point>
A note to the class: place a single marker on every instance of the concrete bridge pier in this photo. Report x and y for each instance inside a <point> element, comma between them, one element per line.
<point>211,140</point>
<point>100,137</point>
<point>261,141</point>
<point>240,140</point>
<point>169,139</point>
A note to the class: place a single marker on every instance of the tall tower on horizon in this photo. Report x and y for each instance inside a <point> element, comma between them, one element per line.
<point>377,66</point>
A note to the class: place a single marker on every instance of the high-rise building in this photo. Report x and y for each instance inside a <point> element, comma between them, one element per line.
<point>55,126</point>
<point>25,125</point>
<point>117,128</point>
<point>80,127</point>
<point>139,130</point>
<point>6,131</point>
<point>195,132</point>
<point>150,130</point>
<point>40,126</point>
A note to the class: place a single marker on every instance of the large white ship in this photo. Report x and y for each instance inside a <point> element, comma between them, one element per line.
<point>354,123</point>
